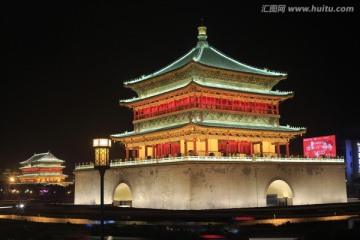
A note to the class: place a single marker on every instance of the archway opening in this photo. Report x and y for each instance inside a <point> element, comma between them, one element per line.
<point>279,193</point>
<point>122,196</point>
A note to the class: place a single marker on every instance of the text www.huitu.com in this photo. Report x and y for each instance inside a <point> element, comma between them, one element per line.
<point>276,8</point>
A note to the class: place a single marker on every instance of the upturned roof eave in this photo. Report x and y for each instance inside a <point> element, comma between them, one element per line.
<point>132,83</point>
<point>169,68</point>
<point>285,95</point>
<point>283,129</point>
<point>209,56</point>
<point>40,157</point>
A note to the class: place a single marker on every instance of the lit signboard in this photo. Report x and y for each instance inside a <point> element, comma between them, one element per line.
<point>315,147</point>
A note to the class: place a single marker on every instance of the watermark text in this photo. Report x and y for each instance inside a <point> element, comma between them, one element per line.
<point>277,8</point>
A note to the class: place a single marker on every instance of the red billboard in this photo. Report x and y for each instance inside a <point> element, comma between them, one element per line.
<point>315,147</point>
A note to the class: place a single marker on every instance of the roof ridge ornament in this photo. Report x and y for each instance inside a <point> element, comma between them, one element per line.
<point>202,36</point>
<point>202,33</point>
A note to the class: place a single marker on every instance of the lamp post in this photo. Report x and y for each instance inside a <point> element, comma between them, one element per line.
<point>102,147</point>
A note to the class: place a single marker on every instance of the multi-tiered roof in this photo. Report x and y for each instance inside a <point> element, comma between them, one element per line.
<point>206,73</point>
<point>42,168</point>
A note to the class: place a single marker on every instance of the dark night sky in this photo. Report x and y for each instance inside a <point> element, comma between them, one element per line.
<point>63,65</point>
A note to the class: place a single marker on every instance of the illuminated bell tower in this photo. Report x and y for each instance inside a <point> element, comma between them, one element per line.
<point>206,104</point>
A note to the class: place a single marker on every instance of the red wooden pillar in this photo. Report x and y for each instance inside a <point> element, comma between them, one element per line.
<point>146,152</point>
<point>127,154</point>
<point>153,151</point>
<point>157,151</point>
<point>133,154</point>
<point>185,148</point>
<point>227,149</point>
<point>170,150</point>
<point>278,149</point>
<point>287,150</point>
<point>261,149</point>
<point>251,148</point>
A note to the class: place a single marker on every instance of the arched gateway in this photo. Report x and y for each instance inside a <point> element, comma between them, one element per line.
<point>279,193</point>
<point>122,196</point>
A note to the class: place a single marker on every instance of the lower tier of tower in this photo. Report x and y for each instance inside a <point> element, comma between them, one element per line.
<point>214,185</point>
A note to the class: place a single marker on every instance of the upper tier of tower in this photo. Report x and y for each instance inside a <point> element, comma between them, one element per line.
<point>208,66</point>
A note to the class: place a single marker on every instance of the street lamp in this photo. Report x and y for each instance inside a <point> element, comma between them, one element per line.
<point>102,147</point>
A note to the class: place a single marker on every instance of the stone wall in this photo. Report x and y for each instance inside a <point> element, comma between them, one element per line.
<point>192,185</point>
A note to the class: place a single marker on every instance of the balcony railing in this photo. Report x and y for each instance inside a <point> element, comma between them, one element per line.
<point>121,162</point>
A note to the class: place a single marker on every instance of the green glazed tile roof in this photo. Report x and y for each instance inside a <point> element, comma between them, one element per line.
<point>43,158</point>
<point>217,86</point>
<point>230,126</point>
<point>207,55</point>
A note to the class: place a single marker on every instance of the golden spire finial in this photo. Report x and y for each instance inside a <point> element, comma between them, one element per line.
<point>202,31</point>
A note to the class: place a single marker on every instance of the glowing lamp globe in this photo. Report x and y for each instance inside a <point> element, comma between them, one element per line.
<point>102,147</point>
